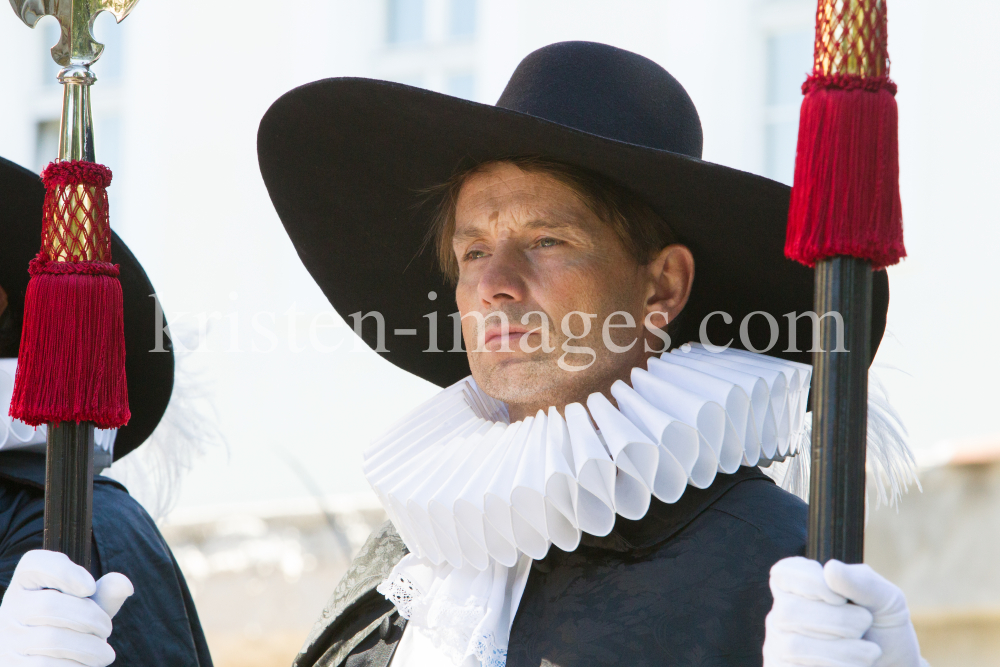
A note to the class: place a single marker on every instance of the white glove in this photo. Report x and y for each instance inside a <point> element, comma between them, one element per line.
<point>813,623</point>
<point>55,615</point>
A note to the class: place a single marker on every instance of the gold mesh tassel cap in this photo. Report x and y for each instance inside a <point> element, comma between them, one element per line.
<point>76,224</point>
<point>851,39</point>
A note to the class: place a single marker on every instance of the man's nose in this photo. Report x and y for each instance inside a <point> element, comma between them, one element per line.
<point>503,279</point>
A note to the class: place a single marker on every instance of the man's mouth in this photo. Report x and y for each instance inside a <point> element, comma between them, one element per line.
<point>498,339</point>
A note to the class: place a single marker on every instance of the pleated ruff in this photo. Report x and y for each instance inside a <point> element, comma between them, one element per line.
<point>465,488</point>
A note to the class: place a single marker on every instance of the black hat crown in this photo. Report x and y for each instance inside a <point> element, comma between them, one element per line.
<point>606,91</point>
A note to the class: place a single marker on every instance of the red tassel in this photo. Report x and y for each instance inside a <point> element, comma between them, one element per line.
<point>71,362</point>
<point>845,200</point>
<point>71,365</point>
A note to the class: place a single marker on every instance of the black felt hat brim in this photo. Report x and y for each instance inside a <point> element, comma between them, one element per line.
<point>150,375</point>
<point>347,163</point>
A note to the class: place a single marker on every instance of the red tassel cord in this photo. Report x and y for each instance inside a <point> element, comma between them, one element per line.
<point>845,199</point>
<point>71,363</point>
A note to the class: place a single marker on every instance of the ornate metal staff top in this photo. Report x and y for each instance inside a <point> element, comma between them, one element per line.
<point>71,362</point>
<point>76,51</point>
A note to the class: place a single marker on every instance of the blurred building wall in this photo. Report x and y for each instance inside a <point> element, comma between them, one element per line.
<point>942,548</point>
<point>260,574</point>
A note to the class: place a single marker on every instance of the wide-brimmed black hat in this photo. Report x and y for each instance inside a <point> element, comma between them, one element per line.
<point>348,162</point>
<point>150,374</point>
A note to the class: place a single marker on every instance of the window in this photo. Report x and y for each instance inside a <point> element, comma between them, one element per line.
<point>461,85</point>
<point>107,140</point>
<point>107,147</point>
<point>789,61</point>
<point>405,21</point>
<point>463,18</point>
<point>46,143</point>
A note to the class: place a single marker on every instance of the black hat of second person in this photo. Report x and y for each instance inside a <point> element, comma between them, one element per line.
<point>348,162</point>
<point>150,374</point>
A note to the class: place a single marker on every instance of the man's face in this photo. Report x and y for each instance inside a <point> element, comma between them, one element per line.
<point>526,243</point>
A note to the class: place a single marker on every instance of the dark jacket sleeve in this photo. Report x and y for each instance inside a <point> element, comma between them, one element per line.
<point>357,617</point>
<point>158,625</point>
<point>21,522</point>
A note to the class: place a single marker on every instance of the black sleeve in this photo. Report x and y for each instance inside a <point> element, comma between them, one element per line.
<point>378,648</point>
<point>21,523</point>
<point>158,625</point>
<point>347,635</point>
<point>22,528</point>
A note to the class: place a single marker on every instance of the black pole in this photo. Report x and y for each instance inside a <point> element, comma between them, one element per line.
<point>69,490</point>
<point>840,412</point>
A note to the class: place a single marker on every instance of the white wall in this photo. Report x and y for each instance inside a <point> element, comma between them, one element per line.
<point>945,294</point>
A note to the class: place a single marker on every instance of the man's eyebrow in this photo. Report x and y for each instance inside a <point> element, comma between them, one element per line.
<point>547,223</point>
<point>467,233</point>
<point>476,231</point>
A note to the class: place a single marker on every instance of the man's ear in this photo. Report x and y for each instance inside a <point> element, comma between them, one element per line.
<point>671,274</point>
<point>3,300</point>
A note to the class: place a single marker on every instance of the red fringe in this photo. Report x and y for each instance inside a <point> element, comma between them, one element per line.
<point>845,200</point>
<point>71,364</point>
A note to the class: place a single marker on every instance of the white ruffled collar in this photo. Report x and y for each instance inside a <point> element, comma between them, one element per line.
<point>475,497</point>
<point>455,616</point>
<point>15,434</point>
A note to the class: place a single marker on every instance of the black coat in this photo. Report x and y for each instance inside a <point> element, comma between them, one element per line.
<point>685,585</point>
<point>158,625</point>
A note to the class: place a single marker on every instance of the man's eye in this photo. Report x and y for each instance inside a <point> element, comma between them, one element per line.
<point>548,242</point>
<point>474,254</point>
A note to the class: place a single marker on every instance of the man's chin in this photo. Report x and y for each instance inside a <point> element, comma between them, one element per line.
<point>517,378</point>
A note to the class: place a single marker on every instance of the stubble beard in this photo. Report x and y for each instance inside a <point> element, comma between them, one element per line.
<point>522,382</point>
<point>537,382</point>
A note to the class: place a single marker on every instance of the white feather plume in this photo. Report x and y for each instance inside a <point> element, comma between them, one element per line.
<point>189,428</point>
<point>890,463</point>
